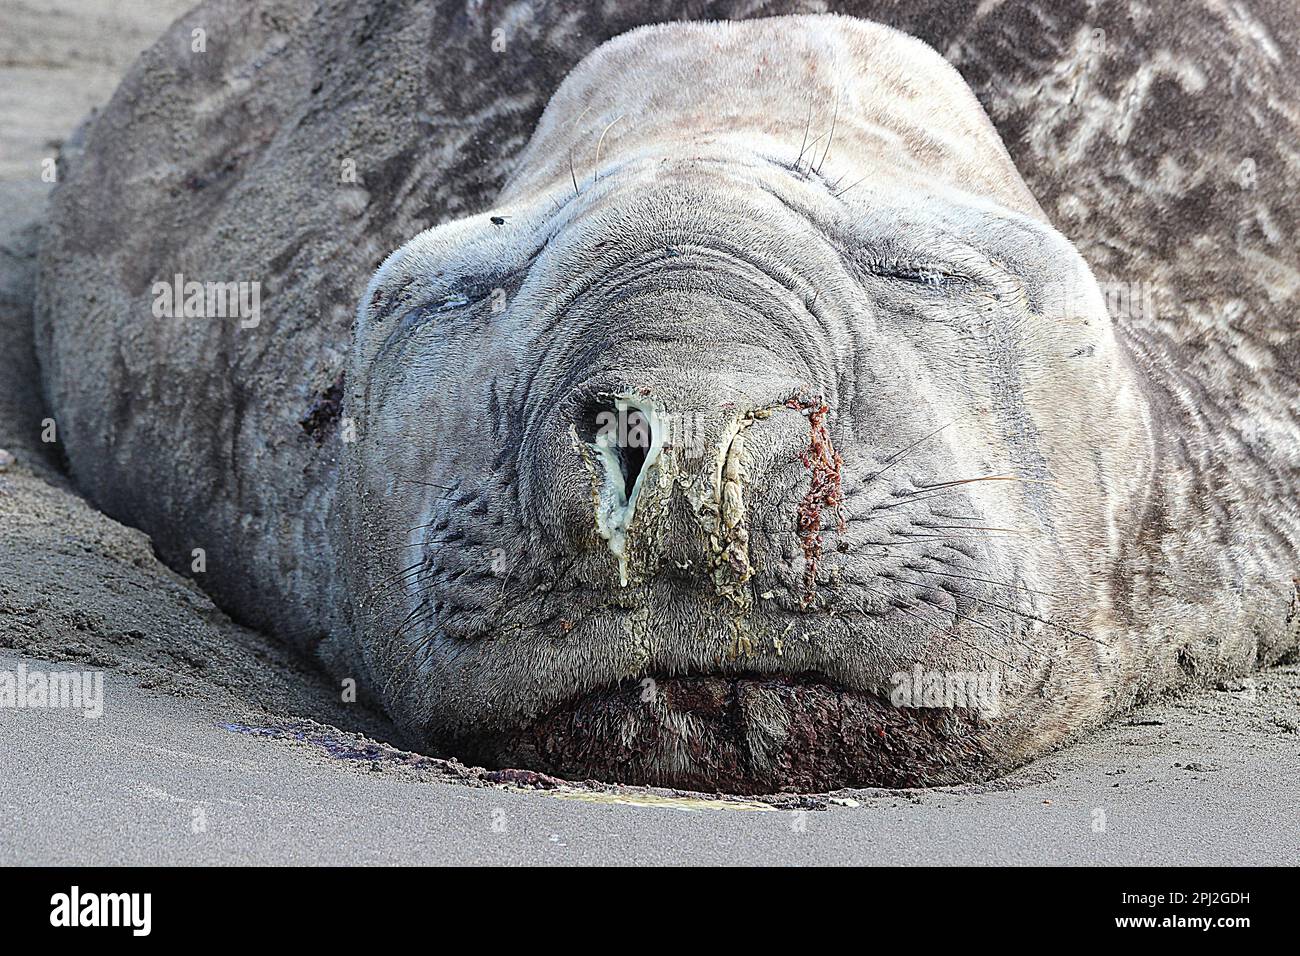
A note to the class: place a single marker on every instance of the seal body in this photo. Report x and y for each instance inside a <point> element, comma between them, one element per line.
<point>761,433</point>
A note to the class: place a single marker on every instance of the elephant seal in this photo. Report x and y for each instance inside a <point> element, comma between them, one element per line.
<point>761,434</point>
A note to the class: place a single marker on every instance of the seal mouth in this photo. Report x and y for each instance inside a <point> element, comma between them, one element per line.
<point>750,734</point>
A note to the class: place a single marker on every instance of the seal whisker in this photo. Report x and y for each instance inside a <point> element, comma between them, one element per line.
<point>990,533</point>
<point>1004,584</point>
<point>901,455</point>
<point>849,186</point>
<point>411,614</point>
<point>976,527</point>
<point>1034,617</point>
<point>943,489</point>
<point>399,574</point>
<point>595,174</point>
<point>421,527</point>
<point>916,539</point>
<point>813,144</point>
<point>401,666</point>
<point>910,608</point>
<point>400,547</point>
<point>426,484</point>
<point>1016,611</point>
<point>806,129</point>
<point>967,481</point>
<point>956,614</point>
<point>829,139</point>
<point>1009,636</point>
<point>410,672</point>
<point>448,538</point>
<point>397,579</point>
<point>984,624</point>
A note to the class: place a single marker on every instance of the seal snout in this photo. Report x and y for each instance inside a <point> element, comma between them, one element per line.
<point>690,478</point>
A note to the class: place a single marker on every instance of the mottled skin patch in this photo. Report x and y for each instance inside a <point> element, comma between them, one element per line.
<point>1159,137</point>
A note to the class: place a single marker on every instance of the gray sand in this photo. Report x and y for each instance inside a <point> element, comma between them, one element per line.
<point>1207,780</point>
<point>201,720</point>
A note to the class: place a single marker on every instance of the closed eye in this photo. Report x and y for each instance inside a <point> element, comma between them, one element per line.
<point>923,275</point>
<point>430,311</point>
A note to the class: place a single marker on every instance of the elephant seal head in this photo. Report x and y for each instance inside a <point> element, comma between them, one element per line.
<point>763,435</point>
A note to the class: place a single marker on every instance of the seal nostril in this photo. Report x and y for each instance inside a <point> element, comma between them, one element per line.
<point>622,444</point>
<point>625,431</point>
<point>594,419</point>
<point>633,451</point>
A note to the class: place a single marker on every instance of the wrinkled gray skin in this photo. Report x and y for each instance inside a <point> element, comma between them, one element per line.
<point>685,233</point>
